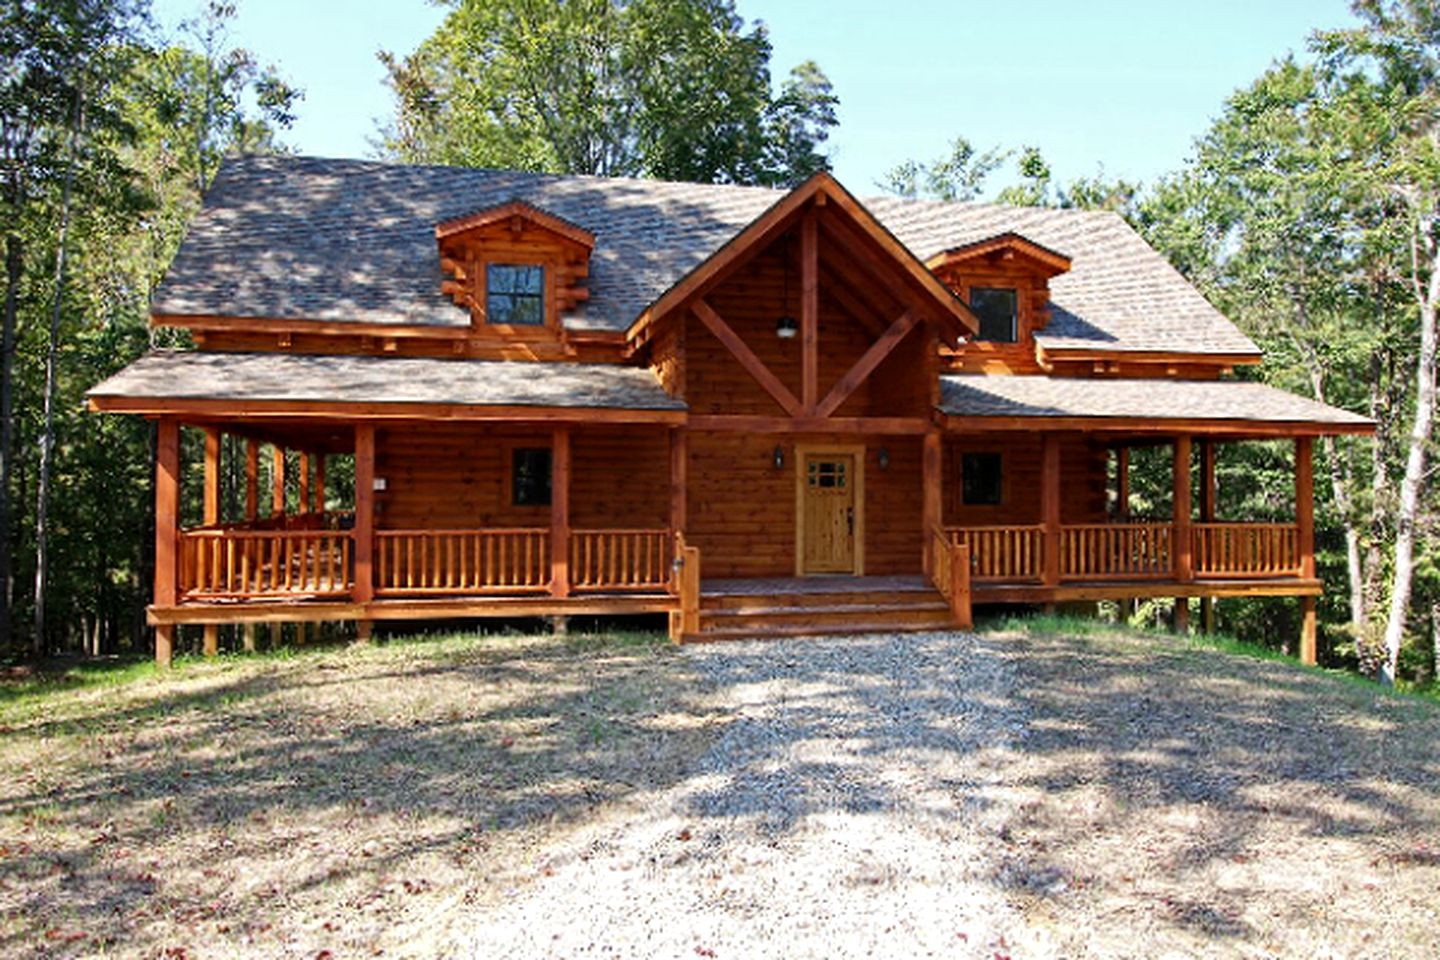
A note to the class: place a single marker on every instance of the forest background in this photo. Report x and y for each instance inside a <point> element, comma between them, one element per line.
<point>1306,213</point>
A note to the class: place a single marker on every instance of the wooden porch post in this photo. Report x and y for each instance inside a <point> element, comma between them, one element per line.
<point>167,516</point>
<point>931,504</point>
<point>364,530</point>
<point>1122,482</point>
<point>252,479</point>
<point>304,482</point>
<point>1209,497</point>
<point>1050,507</point>
<point>679,478</point>
<point>560,512</point>
<point>319,483</point>
<point>211,517</point>
<point>277,481</point>
<point>1305,534</point>
<point>1180,526</point>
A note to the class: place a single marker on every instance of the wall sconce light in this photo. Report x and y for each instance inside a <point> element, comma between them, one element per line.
<point>883,458</point>
<point>786,327</point>
<point>779,457</point>
<point>379,485</point>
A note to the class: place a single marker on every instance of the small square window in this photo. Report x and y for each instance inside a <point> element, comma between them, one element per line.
<point>530,476</point>
<point>996,308</point>
<point>515,294</point>
<point>981,480</point>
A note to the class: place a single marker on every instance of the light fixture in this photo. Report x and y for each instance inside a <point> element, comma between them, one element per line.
<point>786,327</point>
<point>779,457</point>
<point>882,456</point>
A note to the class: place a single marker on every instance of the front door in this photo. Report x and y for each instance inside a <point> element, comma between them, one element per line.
<point>827,514</point>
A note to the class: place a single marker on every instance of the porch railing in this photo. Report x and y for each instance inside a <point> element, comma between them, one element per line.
<point>950,568</point>
<point>1010,553</point>
<point>1116,551</point>
<point>503,560</point>
<point>1121,551</point>
<point>220,563</point>
<point>620,559</point>
<point>1246,549</point>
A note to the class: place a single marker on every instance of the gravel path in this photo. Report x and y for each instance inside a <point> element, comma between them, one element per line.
<point>847,811</point>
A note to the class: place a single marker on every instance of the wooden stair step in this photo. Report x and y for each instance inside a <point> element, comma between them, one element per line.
<point>848,629</point>
<point>926,611</point>
<point>838,598</point>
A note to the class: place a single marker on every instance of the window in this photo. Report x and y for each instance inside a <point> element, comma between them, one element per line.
<point>980,479</point>
<point>996,308</point>
<point>530,476</point>
<point>515,293</point>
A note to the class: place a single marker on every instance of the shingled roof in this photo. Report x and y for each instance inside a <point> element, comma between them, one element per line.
<point>349,240</point>
<point>271,377</point>
<point>1049,398</point>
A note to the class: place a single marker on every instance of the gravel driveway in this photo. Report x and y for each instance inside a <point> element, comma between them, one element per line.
<point>845,812</point>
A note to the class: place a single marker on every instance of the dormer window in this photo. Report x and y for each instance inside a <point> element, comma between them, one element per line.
<point>515,294</point>
<point>515,268</point>
<point>998,311</point>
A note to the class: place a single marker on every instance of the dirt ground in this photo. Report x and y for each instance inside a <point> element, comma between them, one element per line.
<point>1166,800</point>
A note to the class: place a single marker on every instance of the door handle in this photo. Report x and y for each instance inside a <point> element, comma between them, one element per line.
<point>850,519</point>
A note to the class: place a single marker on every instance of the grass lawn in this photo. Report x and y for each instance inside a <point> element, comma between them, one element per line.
<point>341,800</point>
<point>1167,796</point>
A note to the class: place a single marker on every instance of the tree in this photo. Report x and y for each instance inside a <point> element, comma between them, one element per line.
<point>961,176</point>
<point>1385,78</point>
<point>676,89</point>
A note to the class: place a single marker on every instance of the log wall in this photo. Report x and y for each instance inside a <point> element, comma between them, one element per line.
<point>1082,484</point>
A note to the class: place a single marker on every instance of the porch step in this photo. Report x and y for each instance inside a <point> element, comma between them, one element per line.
<point>788,609</point>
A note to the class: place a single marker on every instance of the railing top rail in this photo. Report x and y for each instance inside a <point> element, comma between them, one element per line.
<point>1148,524</point>
<point>994,526</point>
<point>621,531</point>
<point>1248,524</point>
<point>300,533</point>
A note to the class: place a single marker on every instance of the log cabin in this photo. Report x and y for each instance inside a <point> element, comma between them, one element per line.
<point>756,412</point>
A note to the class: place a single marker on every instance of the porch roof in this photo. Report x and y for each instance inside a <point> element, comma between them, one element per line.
<point>329,381</point>
<point>1157,404</point>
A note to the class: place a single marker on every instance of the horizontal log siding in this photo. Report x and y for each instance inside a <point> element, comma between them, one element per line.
<point>742,510</point>
<point>458,477</point>
<point>1082,483</point>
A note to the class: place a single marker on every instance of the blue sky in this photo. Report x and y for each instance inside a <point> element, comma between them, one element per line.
<point>1123,85</point>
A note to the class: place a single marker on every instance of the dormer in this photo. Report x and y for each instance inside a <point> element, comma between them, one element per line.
<point>517,269</point>
<point>1005,280</point>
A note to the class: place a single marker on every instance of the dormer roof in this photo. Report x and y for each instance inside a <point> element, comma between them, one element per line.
<point>1005,246</point>
<point>513,210</point>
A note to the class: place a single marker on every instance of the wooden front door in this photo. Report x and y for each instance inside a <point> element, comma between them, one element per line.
<point>829,521</point>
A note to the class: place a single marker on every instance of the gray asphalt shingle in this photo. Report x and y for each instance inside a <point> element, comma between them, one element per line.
<point>350,240</point>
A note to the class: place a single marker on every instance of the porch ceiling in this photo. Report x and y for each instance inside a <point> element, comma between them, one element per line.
<point>1153,405</point>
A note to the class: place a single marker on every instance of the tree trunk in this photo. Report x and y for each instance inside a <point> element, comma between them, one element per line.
<point>52,356</point>
<point>14,267</point>
<point>1427,295</point>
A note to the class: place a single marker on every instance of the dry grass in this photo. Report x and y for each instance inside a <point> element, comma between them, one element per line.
<point>346,801</point>
<point>1177,799</point>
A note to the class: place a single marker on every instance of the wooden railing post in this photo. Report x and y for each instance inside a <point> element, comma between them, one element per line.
<point>210,644</point>
<point>364,529</point>
<point>167,516</point>
<point>1050,508</point>
<point>560,512</point>
<point>685,620</point>
<point>960,587</point>
<point>304,482</point>
<point>277,480</point>
<point>679,478</point>
<point>932,462</point>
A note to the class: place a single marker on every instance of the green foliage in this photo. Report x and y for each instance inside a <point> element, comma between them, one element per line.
<point>675,89</point>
